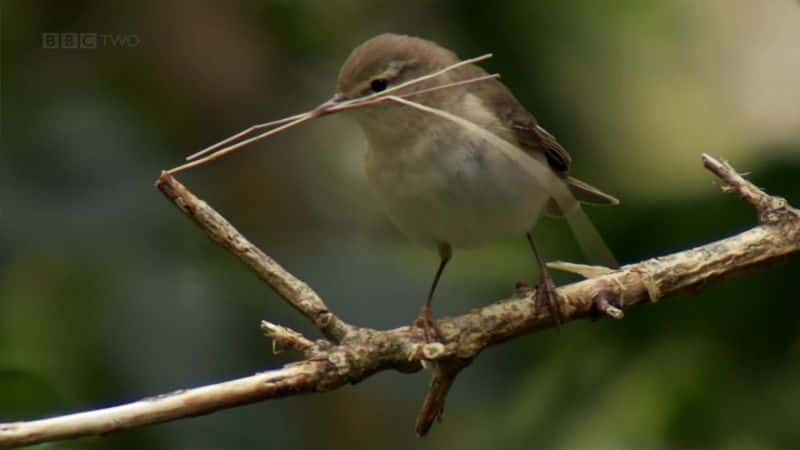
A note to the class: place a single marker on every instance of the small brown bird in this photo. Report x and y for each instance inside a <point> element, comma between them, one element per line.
<point>445,185</point>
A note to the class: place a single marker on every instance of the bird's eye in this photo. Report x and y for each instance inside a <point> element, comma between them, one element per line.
<point>378,84</point>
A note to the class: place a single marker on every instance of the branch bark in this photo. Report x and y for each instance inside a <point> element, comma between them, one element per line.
<point>349,354</point>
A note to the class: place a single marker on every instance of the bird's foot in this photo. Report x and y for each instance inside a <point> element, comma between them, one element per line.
<point>547,297</point>
<point>430,328</point>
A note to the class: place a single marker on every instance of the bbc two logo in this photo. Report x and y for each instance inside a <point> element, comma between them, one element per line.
<point>89,41</point>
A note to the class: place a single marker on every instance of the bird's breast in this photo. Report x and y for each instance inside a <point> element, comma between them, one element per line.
<point>441,185</point>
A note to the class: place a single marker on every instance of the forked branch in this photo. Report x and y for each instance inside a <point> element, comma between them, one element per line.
<point>350,354</point>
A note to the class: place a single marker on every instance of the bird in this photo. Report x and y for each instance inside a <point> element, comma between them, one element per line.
<point>444,185</point>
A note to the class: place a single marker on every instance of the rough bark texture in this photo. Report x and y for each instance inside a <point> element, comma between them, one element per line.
<point>350,354</point>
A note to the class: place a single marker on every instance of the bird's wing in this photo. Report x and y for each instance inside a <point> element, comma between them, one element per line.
<point>520,126</point>
<point>533,138</point>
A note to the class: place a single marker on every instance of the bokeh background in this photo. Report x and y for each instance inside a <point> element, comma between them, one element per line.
<point>108,294</point>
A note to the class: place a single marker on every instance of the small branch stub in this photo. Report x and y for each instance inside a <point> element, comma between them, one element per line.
<point>604,302</point>
<point>285,338</point>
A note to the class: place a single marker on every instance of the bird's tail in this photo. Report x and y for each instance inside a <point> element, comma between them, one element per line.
<point>567,204</point>
<point>586,193</point>
<point>582,193</point>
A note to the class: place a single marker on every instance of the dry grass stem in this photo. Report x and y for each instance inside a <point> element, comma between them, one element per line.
<point>223,148</point>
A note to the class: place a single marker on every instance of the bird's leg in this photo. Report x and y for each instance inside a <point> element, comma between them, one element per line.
<point>546,293</point>
<point>425,319</point>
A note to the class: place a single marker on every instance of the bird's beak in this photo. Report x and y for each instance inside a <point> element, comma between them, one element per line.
<point>323,109</point>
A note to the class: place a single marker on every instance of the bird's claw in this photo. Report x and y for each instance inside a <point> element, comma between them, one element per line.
<point>547,297</point>
<point>430,328</point>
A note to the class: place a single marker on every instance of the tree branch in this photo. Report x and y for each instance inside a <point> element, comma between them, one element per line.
<point>295,292</point>
<point>351,354</point>
<point>290,380</point>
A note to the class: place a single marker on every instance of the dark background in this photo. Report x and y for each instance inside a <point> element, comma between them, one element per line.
<point>108,294</point>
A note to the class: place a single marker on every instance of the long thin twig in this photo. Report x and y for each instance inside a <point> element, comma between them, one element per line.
<point>362,352</point>
<point>418,80</point>
<point>371,100</point>
<point>232,148</point>
<point>215,151</point>
<point>242,134</point>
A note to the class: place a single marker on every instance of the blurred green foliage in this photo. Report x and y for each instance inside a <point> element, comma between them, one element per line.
<point>107,294</point>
